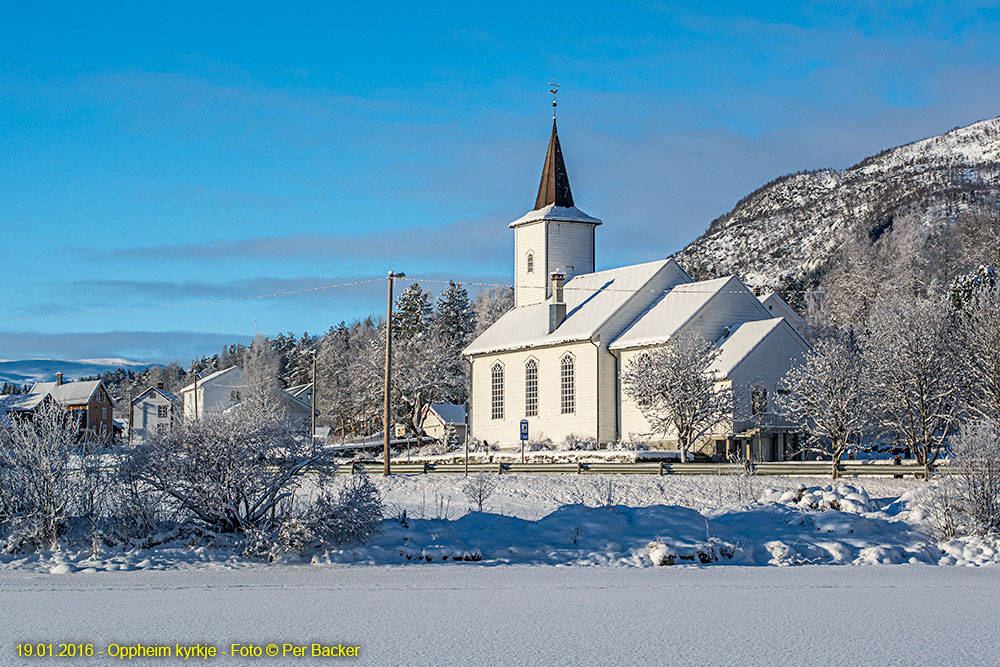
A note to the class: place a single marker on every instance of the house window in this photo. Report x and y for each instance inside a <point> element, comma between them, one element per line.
<point>531,388</point>
<point>531,262</point>
<point>567,375</point>
<point>104,413</point>
<point>162,411</point>
<point>234,395</point>
<point>497,390</point>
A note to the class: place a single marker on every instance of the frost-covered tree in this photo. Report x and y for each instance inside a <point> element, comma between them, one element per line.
<point>453,318</point>
<point>412,313</point>
<point>261,368</point>
<point>676,391</point>
<point>39,485</point>
<point>490,306</point>
<point>827,395</point>
<point>978,323</point>
<point>913,371</point>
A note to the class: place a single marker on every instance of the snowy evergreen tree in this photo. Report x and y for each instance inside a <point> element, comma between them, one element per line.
<point>413,311</point>
<point>453,318</point>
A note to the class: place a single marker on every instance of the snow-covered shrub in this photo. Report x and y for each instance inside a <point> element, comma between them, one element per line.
<point>967,502</point>
<point>842,497</point>
<point>41,486</point>
<point>479,488</point>
<point>338,516</point>
<point>576,442</point>
<point>228,472</point>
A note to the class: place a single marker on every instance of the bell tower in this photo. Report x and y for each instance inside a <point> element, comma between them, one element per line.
<point>555,235</point>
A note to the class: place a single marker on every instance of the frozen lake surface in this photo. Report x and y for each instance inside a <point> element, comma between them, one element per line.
<point>463,614</point>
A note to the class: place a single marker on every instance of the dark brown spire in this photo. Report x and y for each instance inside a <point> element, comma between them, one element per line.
<point>554,188</point>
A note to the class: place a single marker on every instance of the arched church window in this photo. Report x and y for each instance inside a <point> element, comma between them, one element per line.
<point>531,262</point>
<point>567,384</point>
<point>531,388</point>
<point>497,391</point>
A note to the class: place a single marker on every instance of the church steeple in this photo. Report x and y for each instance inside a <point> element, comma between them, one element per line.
<point>554,187</point>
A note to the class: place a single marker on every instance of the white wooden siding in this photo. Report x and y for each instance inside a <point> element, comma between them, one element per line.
<point>529,288</point>
<point>549,422</point>
<point>570,248</point>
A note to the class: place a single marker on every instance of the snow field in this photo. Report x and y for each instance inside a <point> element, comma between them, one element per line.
<point>445,615</point>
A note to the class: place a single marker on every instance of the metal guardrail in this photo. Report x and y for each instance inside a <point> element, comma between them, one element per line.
<point>787,468</point>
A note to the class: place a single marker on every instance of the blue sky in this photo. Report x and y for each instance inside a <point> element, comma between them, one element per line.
<point>155,158</point>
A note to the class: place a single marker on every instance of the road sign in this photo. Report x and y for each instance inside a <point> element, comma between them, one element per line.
<point>524,429</point>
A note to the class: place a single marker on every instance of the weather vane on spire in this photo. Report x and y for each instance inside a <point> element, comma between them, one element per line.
<point>553,88</point>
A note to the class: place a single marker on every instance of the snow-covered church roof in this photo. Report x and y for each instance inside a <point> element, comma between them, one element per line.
<point>666,317</point>
<point>591,300</point>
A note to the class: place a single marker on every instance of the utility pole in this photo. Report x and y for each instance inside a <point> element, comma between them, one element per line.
<point>388,370</point>
<point>313,394</point>
<point>131,416</point>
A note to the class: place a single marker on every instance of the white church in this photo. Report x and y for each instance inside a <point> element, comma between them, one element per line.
<point>556,358</point>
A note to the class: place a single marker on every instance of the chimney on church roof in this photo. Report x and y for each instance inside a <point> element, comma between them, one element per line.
<point>557,309</point>
<point>554,188</point>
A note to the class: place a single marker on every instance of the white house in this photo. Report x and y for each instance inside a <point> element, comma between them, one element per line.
<point>153,411</point>
<point>223,390</point>
<point>556,358</point>
<point>436,417</point>
<point>214,393</point>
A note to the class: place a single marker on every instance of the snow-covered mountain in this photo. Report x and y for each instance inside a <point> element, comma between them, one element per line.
<point>29,371</point>
<point>787,234</point>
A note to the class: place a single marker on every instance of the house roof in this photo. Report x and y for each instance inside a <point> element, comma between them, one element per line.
<point>299,390</point>
<point>212,378</point>
<point>740,343</point>
<point>19,402</point>
<point>591,300</point>
<point>170,396</point>
<point>671,312</point>
<point>68,393</point>
<point>450,413</point>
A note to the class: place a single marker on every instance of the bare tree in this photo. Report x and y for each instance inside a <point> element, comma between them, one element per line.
<point>479,488</point>
<point>827,396</point>
<point>978,323</point>
<point>676,391</point>
<point>916,381</point>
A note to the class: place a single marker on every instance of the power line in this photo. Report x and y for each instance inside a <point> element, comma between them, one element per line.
<point>322,288</point>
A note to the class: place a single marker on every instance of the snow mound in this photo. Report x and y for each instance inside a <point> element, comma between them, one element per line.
<point>971,551</point>
<point>842,497</point>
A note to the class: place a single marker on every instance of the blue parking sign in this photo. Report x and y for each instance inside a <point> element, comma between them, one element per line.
<point>524,429</point>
